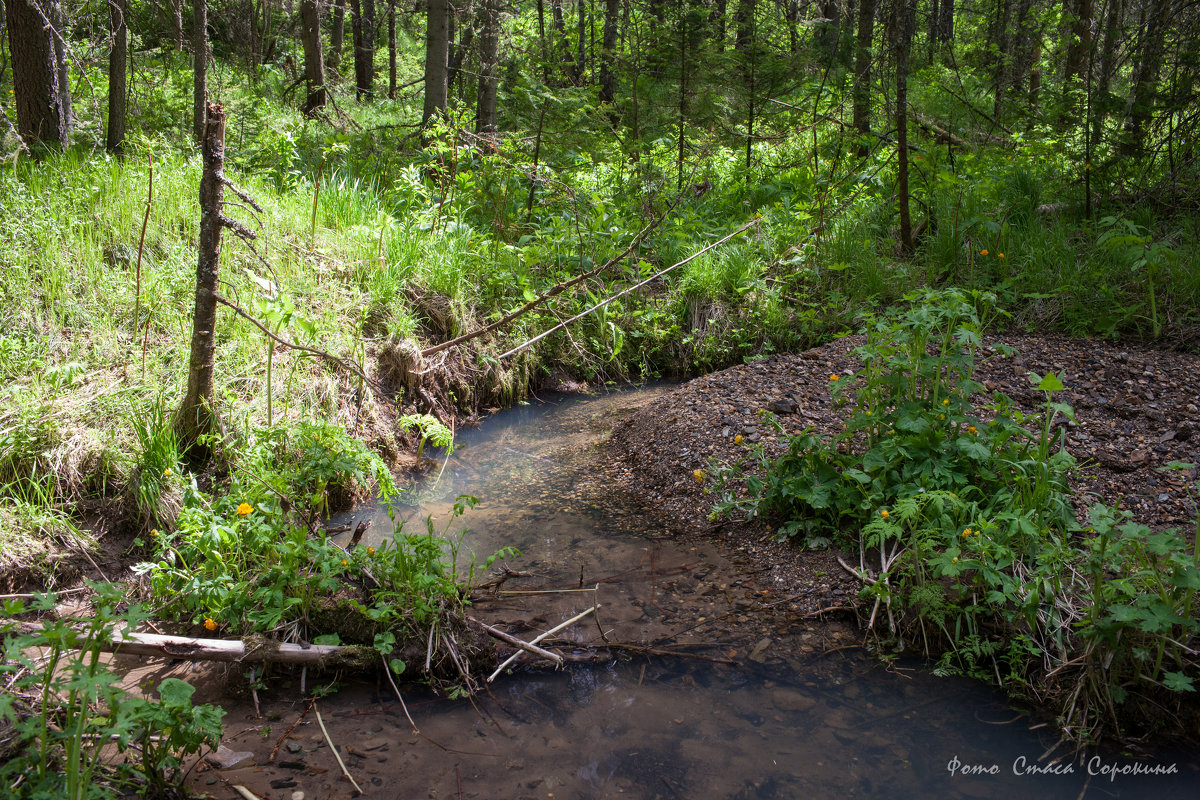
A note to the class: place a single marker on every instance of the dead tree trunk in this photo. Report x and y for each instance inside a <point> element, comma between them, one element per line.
<point>195,416</point>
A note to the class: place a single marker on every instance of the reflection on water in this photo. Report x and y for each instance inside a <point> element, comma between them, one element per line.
<point>815,726</point>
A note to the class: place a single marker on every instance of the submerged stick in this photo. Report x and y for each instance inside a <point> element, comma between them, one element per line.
<point>336,754</point>
<point>538,638</point>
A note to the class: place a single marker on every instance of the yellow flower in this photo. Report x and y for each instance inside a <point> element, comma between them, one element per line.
<point>967,532</point>
<point>946,402</point>
<point>941,416</point>
<point>833,377</point>
<point>698,475</point>
<point>983,252</point>
<point>345,563</point>
<point>737,439</point>
<point>972,429</point>
<point>954,560</point>
<point>210,624</point>
<point>370,551</point>
<point>999,255</point>
<point>167,472</point>
<point>244,509</point>
<point>884,514</point>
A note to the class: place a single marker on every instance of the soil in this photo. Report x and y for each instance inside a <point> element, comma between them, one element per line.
<point>1136,411</point>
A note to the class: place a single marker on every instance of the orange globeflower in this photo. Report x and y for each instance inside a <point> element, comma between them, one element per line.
<point>884,514</point>
<point>833,377</point>
<point>983,252</point>
<point>972,429</point>
<point>210,624</point>
<point>698,475</point>
<point>999,255</point>
<point>244,509</point>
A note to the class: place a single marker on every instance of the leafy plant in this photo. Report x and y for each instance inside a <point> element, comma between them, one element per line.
<point>64,709</point>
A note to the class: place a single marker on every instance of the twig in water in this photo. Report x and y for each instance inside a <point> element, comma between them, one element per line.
<point>538,638</point>
<point>388,671</point>
<point>496,633</point>
<point>336,755</point>
<point>288,732</point>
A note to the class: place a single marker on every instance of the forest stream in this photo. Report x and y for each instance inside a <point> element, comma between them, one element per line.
<point>747,709</point>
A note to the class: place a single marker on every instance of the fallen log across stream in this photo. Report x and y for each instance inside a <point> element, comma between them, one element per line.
<point>253,650</point>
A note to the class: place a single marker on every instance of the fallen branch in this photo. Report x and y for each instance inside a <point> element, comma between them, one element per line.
<point>553,291</point>
<point>229,650</point>
<point>636,286</point>
<point>538,638</point>
<point>496,633</point>
<point>336,754</point>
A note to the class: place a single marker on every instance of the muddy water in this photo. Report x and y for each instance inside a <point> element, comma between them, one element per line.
<point>769,709</point>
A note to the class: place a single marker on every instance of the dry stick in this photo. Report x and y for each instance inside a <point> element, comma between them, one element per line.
<point>336,755</point>
<point>636,286</point>
<point>553,291</point>
<point>137,300</point>
<point>518,643</point>
<point>538,638</point>
<point>388,671</point>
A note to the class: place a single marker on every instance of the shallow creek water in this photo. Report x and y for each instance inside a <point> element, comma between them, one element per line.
<point>795,712</point>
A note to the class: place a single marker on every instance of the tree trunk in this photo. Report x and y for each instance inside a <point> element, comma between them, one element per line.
<point>608,54</point>
<point>364,47</point>
<point>827,34</point>
<point>118,59</point>
<point>338,35</point>
<point>946,22</point>
<point>1079,43</point>
<point>437,54</point>
<point>199,68</point>
<point>1140,107</point>
<point>391,49</point>
<point>489,75</point>
<point>177,37</point>
<point>1101,101</point>
<point>902,32</point>
<point>1002,40</point>
<point>457,53</point>
<point>581,49</point>
<point>314,58</point>
<point>862,75</point>
<point>195,416</point>
<point>43,97</point>
<point>744,19</point>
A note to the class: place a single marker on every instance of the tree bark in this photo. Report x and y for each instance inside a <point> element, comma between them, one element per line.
<point>43,97</point>
<point>862,75</point>
<point>459,51</point>
<point>437,55</point>
<point>608,53</point>
<point>314,56</point>
<point>338,35</point>
<point>391,49</point>
<point>118,59</point>
<point>177,37</point>
<point>195,417</point>
<point>199,67</point>
<point>489,74</point>
<point>364,47</point>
